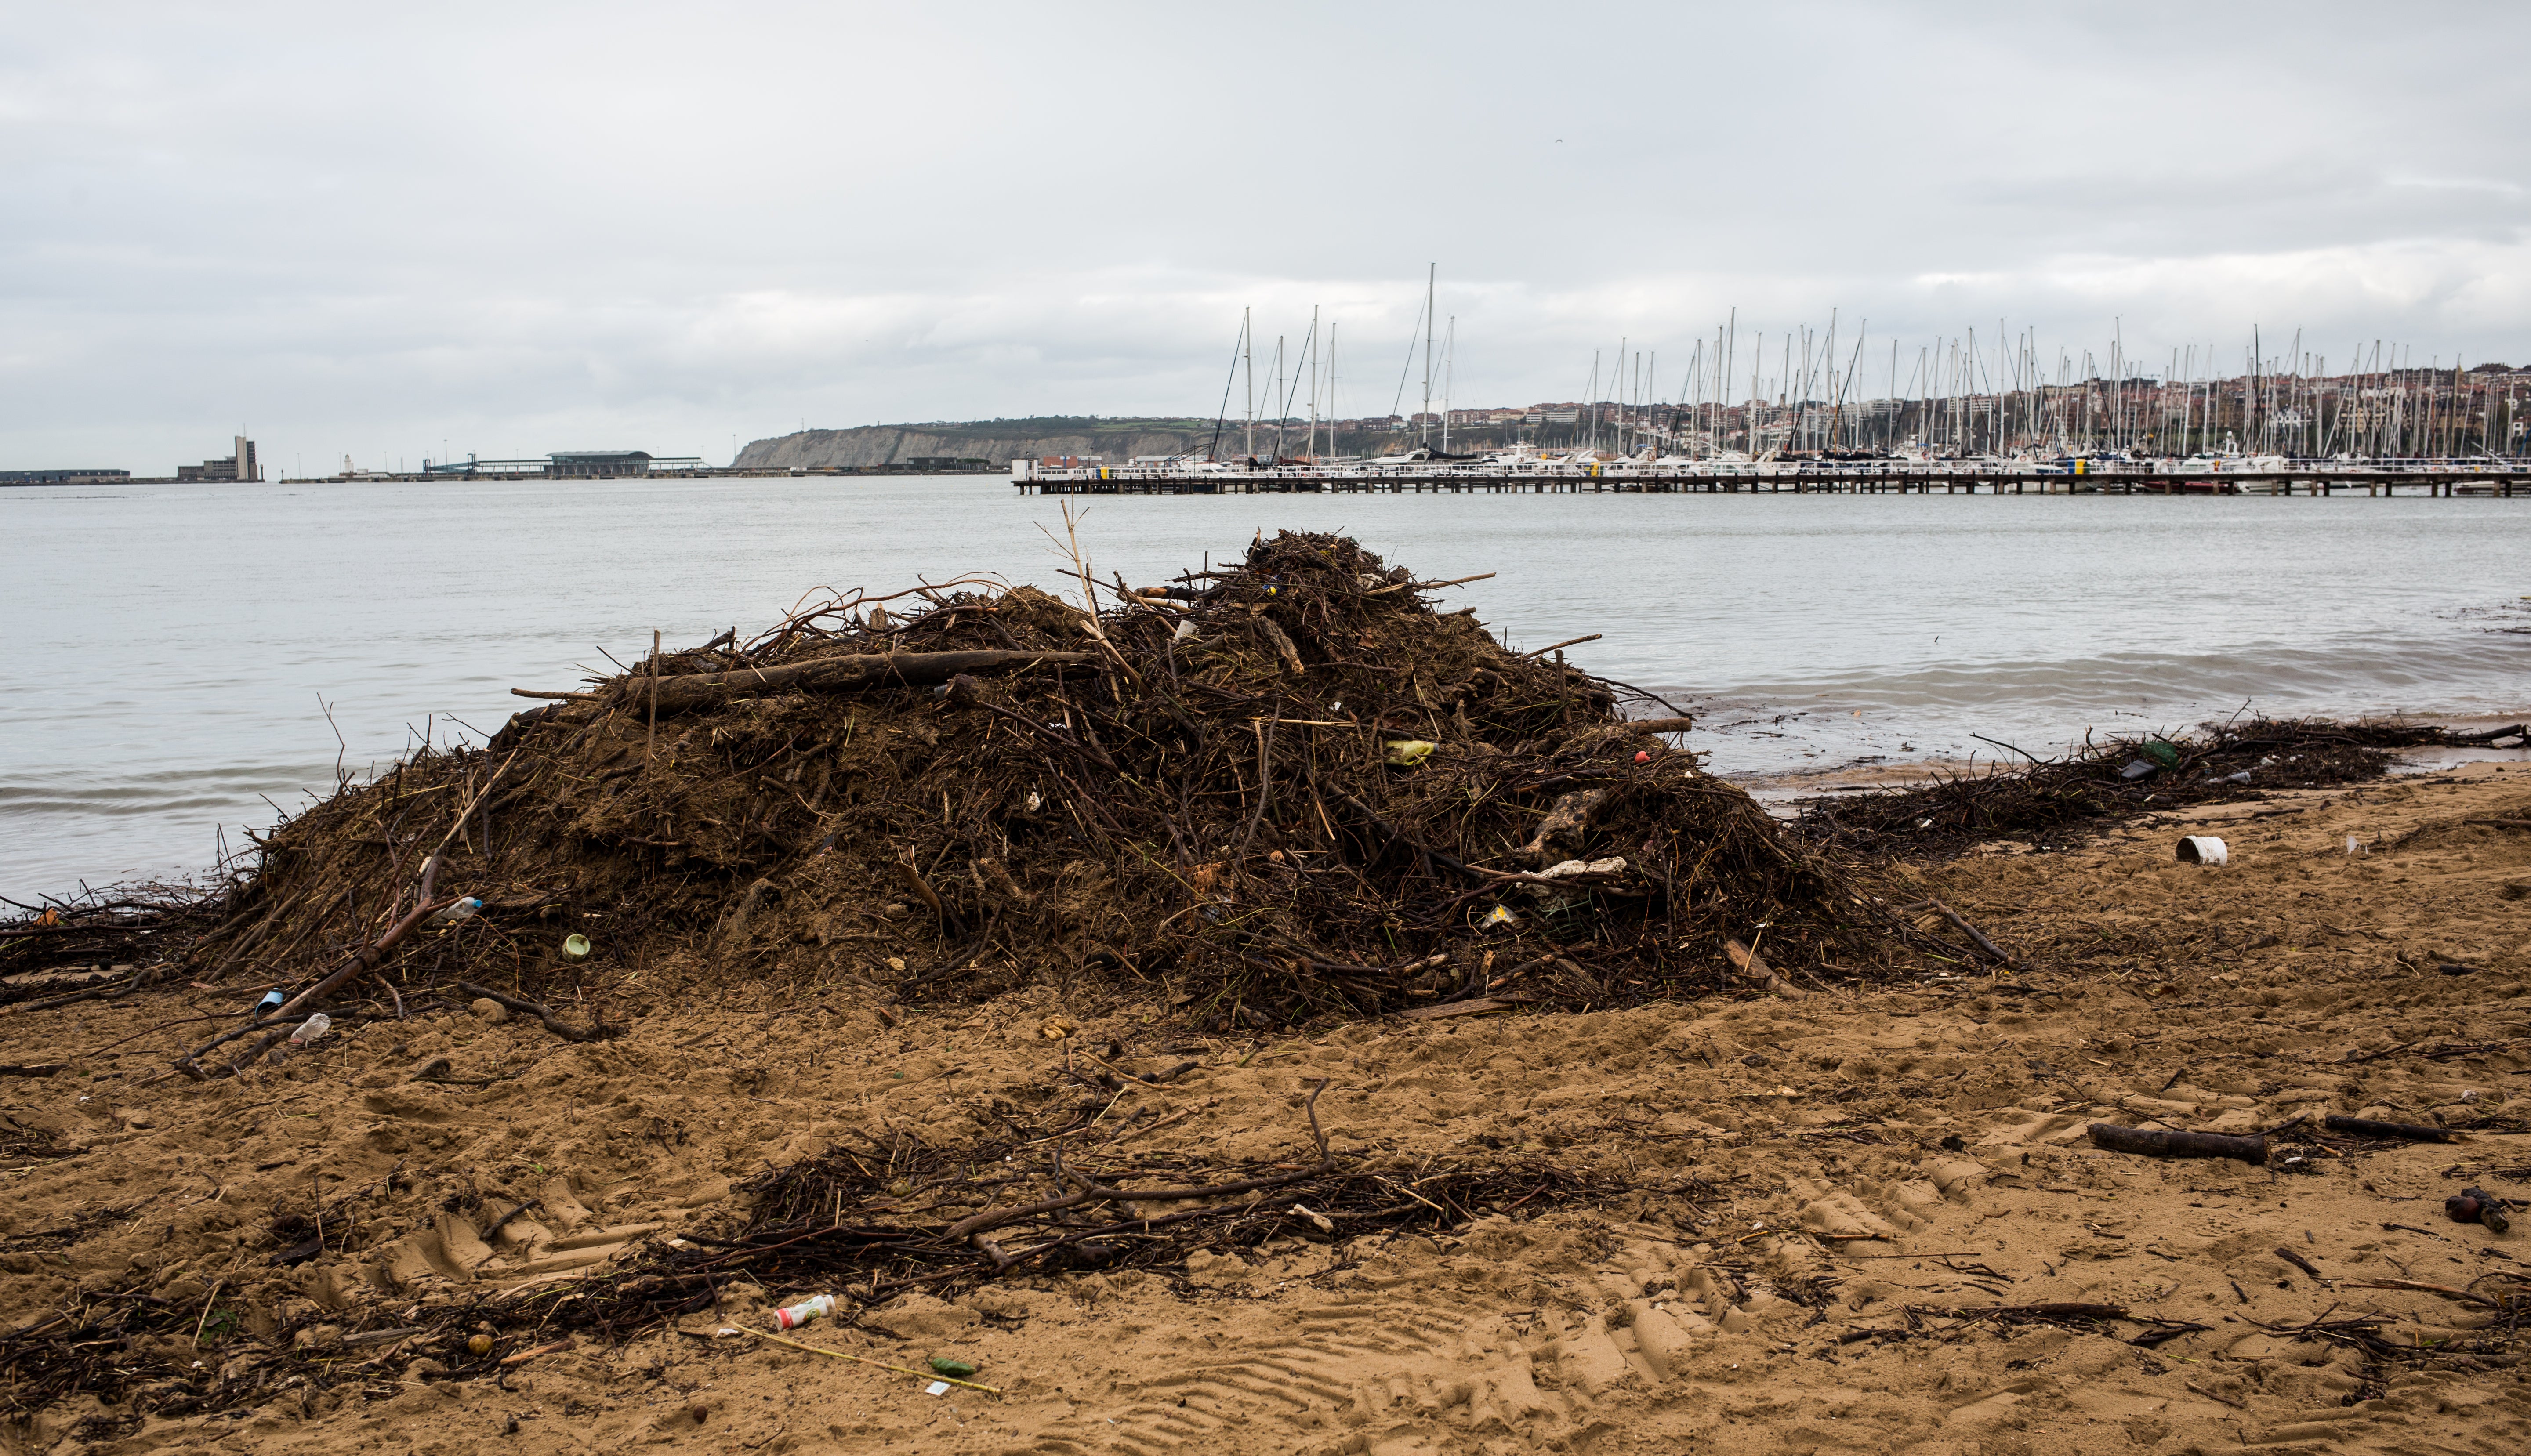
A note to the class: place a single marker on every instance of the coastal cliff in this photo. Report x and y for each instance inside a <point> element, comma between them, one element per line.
<point>998,442</point>
<point>995,441</point>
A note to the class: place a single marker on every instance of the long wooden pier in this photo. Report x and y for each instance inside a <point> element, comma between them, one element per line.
<point>2504,478</point>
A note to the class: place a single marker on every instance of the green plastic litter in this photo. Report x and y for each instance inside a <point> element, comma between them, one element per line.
<point>2162,753</point>
<point>956,1370</point>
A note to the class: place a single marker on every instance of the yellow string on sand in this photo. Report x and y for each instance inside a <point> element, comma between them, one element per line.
<point>881,1363</point>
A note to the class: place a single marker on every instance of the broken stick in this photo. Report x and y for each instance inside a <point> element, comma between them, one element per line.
<point>2365,1126</point>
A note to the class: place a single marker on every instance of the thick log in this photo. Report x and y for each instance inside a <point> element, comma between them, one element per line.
<point>845,674</point>
<point>2146,1142</point>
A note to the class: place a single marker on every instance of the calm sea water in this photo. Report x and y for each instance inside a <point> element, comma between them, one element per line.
<point>172,651</point>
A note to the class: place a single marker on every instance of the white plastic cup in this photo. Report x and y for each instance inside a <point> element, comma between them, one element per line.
<point>310,1028</point>
<point>2202,849</point>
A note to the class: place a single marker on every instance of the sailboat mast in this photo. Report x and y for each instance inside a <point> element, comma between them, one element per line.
<point>1590,411</point>
<point>1730,347</point>
<point>1282,400</point>
<point>1312,448</point>
<point>1616,374</point>
<point>1332,388</point>
<point>2248,424</point>
<point>1432,275</point>
<point>1449,346</point>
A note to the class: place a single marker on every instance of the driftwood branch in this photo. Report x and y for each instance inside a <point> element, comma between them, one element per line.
<point>368,958</point>
<point>2147,1143</point>
<point>975,1225</point>
<point>1427,585</point>
<point>1283,647</point>
<point>541,1012</point>
<point>1752,967</point>
<point>99,989</point>
<point>1973,933</point>
<point>843,674</point>
<point>931,897</point>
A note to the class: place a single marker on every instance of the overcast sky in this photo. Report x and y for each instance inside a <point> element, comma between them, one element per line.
<point>521,227</point>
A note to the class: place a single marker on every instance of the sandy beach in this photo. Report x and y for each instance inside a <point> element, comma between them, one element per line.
<point>1810,1202</point>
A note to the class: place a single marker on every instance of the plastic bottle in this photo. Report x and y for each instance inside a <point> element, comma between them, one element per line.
<point>792,1317</point>
<point>464,909</point>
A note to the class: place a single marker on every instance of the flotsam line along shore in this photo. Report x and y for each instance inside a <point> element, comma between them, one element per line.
<point>1207,1101</point>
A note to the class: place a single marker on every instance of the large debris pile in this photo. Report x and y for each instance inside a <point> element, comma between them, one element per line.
<point>1280,789</point>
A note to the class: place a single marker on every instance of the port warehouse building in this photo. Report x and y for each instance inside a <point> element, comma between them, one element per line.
<point>240,464</point>
<point>567,465</point>
<point>61,477</point>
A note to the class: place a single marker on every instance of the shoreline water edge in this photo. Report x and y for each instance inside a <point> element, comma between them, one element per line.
<point>188,658</point>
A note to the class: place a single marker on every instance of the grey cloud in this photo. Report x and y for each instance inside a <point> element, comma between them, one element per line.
<point>529,227</point>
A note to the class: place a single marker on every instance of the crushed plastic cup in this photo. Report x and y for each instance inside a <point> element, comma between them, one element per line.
<point>306,1034</point>
<point>575,947</point>
<point>1406,752</point>
<point>271,1003</point>
<point>2354,846</point>
<point>2202,849</point>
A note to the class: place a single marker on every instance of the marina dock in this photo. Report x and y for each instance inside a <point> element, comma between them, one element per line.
<point>2413,478</point>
